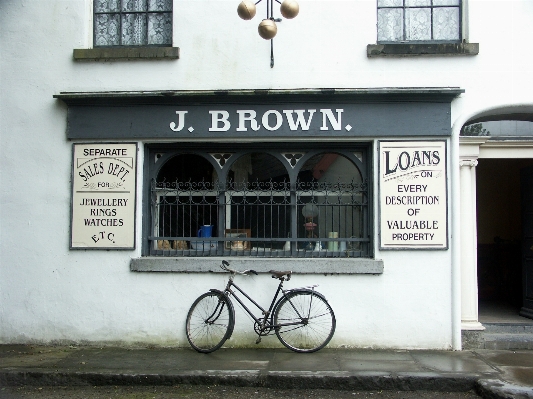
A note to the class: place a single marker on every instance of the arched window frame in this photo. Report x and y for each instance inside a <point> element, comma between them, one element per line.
<point>292,157</point>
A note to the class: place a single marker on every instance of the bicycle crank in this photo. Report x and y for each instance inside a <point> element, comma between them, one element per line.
<point>262,330</point>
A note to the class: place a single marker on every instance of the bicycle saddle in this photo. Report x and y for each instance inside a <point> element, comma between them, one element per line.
<point>280,275</point>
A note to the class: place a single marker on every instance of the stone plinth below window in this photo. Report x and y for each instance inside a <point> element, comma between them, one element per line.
<point>126,53</point>
<point>414,49</point>
<point>260,265</point>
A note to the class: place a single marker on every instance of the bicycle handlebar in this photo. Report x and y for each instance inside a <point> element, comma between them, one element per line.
<point>225,264</point>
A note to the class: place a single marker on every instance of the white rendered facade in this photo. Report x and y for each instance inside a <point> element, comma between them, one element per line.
<point>51,294</point>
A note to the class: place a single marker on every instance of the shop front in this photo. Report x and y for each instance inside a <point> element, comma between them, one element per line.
<point>347,188</point>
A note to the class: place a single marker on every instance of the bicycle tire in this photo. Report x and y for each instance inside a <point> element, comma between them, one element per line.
<point>210,322</point>
<point>314,318</point>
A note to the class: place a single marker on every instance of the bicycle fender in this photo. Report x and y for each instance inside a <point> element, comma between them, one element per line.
<point>231,309</point>
<point>307,290</point>
<point>297,290</point>
<point>219,292</point>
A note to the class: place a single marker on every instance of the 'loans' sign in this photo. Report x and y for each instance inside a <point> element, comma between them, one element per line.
<point>413,196</point>
<point>103,196</point>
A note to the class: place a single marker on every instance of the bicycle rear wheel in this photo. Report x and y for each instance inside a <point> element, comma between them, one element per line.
<point>307,321</point>
<point>210,322</point>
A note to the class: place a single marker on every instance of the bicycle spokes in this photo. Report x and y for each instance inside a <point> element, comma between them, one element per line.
<point>304,334</point>
<point>209,322</point>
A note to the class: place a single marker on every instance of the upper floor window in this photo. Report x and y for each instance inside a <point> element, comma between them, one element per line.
<point>419,21</point>
<point>132,23</point>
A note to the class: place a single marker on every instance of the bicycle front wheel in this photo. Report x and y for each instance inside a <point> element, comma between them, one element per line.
<point>210,322</point>
<point>304,321</point>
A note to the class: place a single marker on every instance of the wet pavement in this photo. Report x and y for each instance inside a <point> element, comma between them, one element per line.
<point>490,373</point>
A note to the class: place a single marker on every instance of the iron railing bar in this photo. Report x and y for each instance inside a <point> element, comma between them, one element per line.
<point>270,211</point>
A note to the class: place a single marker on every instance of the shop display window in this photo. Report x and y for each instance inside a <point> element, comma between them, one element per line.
<point>311,203</point>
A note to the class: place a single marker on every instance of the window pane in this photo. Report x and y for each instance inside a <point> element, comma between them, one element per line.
<point>259,201</point>
<point>446,2</point>
<point>390,3</point>
<point>263,209</point>
<point>160,28</point>
<point>159,5</point>
<point>418,24</point>
<point>134,29</point>
<point>331,198</point>
<point>106,30</point>
<point>417,3</point>
<point>184,199</point>
<point>133,5</point>
<point>446,23</point>
<point>390,25</point>
<point>132,22</point>
<point>106,5</point>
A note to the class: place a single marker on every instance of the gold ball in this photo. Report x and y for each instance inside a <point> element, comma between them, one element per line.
<point>246,10</point>
<point>267,29</point>
<point>289,9</point>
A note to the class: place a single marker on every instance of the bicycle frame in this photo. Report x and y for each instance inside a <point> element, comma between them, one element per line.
<point>262,322</point>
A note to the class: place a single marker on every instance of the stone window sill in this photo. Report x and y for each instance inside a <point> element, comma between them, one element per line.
<point>260,265</point>
<point>126,53</point>
<point>417,49</point>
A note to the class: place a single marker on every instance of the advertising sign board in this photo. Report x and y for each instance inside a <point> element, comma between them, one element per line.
<point>103,196</point>
<point>413,195</point>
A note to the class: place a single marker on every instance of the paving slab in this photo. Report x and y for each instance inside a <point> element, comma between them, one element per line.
<point>492,373</point>
<point>514,367</point>
<point>458,362</point>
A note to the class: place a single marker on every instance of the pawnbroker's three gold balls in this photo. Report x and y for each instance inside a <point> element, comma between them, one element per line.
<point>267,28</point>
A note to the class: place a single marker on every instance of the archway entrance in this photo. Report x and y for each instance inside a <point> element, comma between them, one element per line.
<point>496,181</point>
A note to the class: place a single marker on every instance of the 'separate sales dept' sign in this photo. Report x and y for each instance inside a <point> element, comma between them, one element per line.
<point>103,196</point>
<point>413,196</point>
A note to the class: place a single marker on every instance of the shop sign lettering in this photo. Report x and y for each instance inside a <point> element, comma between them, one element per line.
<point>270,120</point>
<point>103,196</point>
<point>413,195</point>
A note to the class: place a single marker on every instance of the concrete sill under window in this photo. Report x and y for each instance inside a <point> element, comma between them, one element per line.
<point>415,49</point>
<point>126,53</point>
<point>260,265</point>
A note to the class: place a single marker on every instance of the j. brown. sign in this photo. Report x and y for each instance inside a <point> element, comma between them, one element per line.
<point>225,121</point>
<point>231,114</point>
<point>413,196</point>
<point>103,196</point>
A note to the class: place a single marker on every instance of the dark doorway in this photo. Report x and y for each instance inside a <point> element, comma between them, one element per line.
<point>500,238</point>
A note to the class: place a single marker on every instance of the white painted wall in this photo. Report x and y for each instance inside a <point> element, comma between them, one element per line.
<point>50,294</point>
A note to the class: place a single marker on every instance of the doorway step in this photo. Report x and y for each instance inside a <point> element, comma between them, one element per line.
<point>507,336</point>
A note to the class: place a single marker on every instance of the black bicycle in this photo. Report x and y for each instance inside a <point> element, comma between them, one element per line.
<point>301,318</point>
